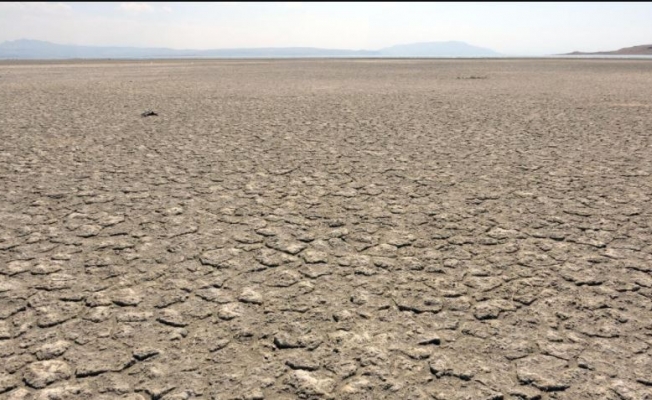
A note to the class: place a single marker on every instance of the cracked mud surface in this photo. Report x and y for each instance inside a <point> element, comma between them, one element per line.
<point>326,229</point>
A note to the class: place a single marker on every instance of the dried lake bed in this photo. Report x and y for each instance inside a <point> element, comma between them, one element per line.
<point>343,229</point>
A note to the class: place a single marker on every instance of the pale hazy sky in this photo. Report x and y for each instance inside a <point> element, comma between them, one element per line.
<point>509,28</point>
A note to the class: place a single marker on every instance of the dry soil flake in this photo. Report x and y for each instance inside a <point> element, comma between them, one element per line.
<point>7,382</point>
<point>172,318</point>
<point>127,298</point>
<point>249,295</point>
<point>5,331</point>
<point>313,256</point>
<point>544,372</point>
<point>288,246</point>
<point>41,374</point>
<point>307,384</point>
<point>52,350</point>
<point>229,311</point>
<point>218,258</point>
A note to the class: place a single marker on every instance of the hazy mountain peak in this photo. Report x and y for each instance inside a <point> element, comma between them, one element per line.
<point>39,49</point>
<point>450,48</point>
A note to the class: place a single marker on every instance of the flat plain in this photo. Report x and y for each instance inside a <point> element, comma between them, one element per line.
<point>339,229</point>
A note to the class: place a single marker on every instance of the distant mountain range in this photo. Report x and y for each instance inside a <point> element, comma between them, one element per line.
<point>642,50</point>
<point>37,49</point>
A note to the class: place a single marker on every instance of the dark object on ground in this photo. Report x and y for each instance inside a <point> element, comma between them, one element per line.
<point>148,113</point>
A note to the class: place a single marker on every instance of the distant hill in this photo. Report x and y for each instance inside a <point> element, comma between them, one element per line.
<point>438,49</point>
<point>37,49</point>
<point>642,50</point>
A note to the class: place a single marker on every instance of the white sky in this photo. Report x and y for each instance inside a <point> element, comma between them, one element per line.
<point>509,28</point>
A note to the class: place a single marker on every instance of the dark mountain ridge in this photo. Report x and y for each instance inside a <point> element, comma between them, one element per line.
<point>641,50</point>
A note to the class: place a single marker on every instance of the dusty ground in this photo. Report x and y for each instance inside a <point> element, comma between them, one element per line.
<point>339,229</point>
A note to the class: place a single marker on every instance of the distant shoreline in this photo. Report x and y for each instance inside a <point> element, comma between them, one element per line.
<point>9,61</point>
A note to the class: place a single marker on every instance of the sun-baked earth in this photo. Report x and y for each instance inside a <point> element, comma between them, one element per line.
<point>338,229</point>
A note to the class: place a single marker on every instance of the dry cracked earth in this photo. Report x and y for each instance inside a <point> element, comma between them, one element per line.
<point>336,229</point>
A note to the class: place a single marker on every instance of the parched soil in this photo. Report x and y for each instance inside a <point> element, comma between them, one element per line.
<point>337,229</point>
